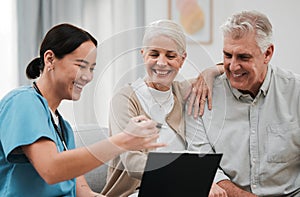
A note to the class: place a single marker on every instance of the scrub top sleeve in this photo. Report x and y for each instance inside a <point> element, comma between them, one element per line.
<point>25,120</point>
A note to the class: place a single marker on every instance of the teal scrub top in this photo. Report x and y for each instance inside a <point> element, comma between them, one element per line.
<point>25,118</point>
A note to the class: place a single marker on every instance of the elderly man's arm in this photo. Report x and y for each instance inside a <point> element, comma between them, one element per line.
<point>234,191</point>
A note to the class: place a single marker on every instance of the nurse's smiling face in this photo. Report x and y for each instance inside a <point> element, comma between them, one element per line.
<point>162,61</point>
<point>74,71</point>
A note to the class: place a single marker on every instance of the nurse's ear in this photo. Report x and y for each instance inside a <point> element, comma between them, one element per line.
<point>49,60</point>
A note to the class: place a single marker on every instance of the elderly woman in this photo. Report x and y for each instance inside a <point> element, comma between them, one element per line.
<point>158,97</point>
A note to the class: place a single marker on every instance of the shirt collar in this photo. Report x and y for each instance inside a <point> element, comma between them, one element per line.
<point>263,89</point>
<point>265,86</point>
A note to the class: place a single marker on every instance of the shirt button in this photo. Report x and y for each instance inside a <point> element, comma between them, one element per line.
<point>254,186</point>
<point>253,131</point>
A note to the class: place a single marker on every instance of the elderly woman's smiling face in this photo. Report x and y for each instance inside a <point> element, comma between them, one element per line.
<point>162,61</point>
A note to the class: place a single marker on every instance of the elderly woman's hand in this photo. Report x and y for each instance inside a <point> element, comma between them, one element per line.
<point>201,90</point>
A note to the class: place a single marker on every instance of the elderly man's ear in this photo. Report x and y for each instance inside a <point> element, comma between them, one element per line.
<point>268,54</point>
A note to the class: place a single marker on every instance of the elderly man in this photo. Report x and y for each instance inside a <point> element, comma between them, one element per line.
<point>255,118</point>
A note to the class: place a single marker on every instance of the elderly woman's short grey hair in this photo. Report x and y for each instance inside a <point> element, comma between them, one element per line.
<point>240,24</point>
<point>166,28</point>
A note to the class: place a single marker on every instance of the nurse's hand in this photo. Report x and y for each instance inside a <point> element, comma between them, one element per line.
<point>140,133</point>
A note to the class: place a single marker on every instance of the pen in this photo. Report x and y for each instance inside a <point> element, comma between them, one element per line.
<point>158,125</point>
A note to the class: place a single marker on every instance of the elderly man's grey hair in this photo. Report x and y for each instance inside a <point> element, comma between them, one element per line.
<point>242,23</point>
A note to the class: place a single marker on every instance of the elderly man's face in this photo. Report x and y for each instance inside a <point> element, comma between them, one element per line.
<point>245,64</point>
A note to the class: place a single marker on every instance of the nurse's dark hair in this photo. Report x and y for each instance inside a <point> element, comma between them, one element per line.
<point>62,39</point>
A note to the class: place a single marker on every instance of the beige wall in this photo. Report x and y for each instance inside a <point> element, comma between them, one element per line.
<point>283,14</point>
<point>8,48</point>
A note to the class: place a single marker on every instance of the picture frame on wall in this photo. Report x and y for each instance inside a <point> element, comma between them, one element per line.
<point>195,16</point>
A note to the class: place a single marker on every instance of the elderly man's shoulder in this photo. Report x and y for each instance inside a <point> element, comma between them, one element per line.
<point>286,82</point>
<point>286,74</point>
